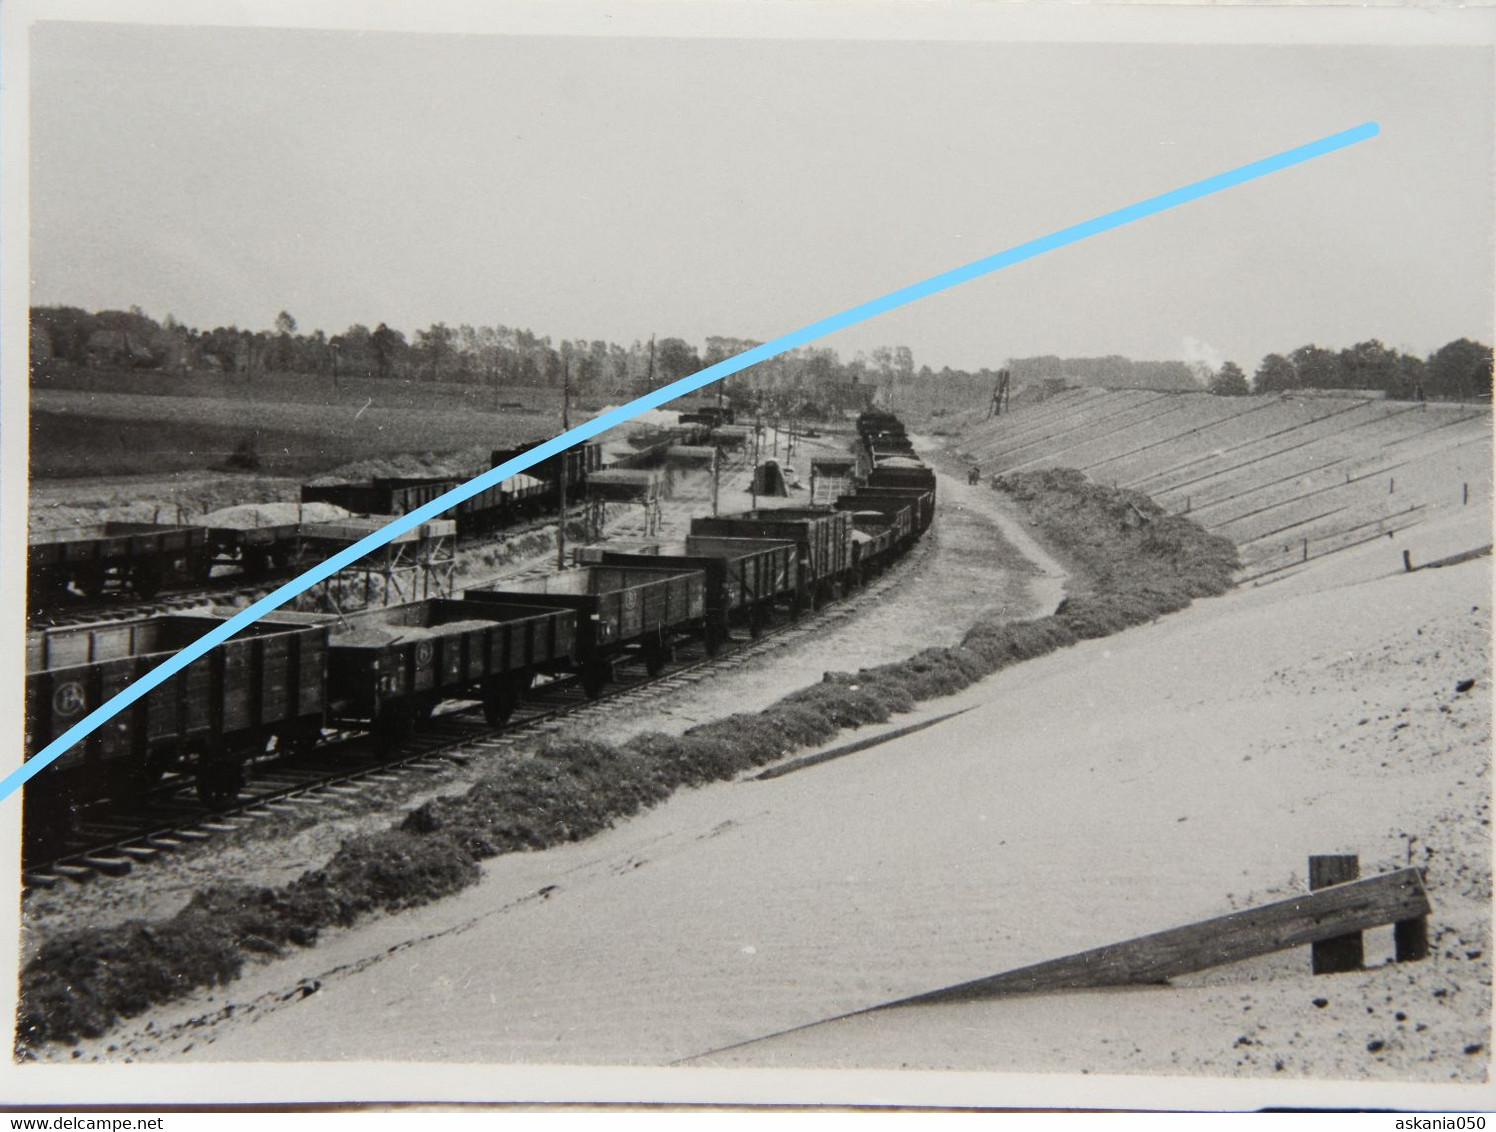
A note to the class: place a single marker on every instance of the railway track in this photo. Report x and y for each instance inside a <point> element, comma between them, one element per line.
<point>345,768</point>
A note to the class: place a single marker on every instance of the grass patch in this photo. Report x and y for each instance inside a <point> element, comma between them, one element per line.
<point>1141,564</point>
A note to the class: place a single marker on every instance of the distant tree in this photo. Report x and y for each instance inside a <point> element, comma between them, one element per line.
<point>1230,381</point>
<point>675,359</point>
<point>1369,365</point>
<point>1276,374</point>
<point>1412,371</point>
<point>387,344</point>
<point>1318,368</point>
<point>1460,369</point>
<point>435,345</point>
<point>285,325</point>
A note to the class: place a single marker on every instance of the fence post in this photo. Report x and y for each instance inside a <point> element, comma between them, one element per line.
<point>1306,550</point>
<point>1344,952</point>
<point>1465,502</point>
<point>1410,939</point>
<point>1407,562</point>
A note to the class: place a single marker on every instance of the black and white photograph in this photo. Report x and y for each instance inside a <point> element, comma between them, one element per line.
<point>1045,663</point>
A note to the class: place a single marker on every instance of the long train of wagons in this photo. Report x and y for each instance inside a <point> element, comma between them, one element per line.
<point>278,685</point>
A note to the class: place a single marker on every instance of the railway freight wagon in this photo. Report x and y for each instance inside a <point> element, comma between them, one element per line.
<point>378,497</point>
<point>921,504</point>
<point>136,557</point>
<point>268,682</point>
<point>620,611</point>
<point>896,514</point>
<point>875,542</point>
<point>575,464</point>
<point>823,540</point>
<point>744,577</point>
<point>902,472</point>
<point>389,668</point>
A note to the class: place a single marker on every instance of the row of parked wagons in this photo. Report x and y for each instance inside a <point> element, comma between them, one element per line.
<point>126,559</point>
<point>141,559</point>
<point>276,687</point>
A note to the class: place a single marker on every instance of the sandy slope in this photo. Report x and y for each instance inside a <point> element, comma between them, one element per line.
<point>1171,773</point>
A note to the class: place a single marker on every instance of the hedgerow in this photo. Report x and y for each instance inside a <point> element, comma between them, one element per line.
<point>1141,564</point>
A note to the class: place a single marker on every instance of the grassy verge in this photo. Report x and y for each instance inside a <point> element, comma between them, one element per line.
<point>1141,562</point>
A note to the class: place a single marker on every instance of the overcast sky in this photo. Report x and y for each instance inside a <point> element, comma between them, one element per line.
<point>614,188</point>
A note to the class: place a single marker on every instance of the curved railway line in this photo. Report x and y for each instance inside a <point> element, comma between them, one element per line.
<point>344,765</point>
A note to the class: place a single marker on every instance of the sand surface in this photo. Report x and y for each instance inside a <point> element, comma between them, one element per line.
<point>1174,772</point>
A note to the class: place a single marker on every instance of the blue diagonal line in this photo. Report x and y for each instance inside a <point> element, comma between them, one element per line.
<point>850,317</point>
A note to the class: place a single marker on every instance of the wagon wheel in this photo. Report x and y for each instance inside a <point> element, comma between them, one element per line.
<point>594,676</point>
<point>91,580</point>
<point>199,567</point>
<point>711,638</point>
<point>422,709</point>
<point>219,782</point>
<point>392,726</point>
<point>500,698</point>
<point>302,741</point>
<point>656,659</point>
<point>146,579</point>
<point>47,816</point>
<point>147,775</point>
<point>756,619</point>
<point>255,563</point>
<point>46,589</point>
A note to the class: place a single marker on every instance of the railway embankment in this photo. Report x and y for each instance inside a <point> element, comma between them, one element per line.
<point>80,983</point>
<point>1288,478</point>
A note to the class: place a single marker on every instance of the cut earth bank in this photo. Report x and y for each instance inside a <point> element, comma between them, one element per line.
<point>1124,785</point>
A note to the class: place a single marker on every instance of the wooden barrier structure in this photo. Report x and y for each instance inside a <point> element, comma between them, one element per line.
<point>414,566</point>
<point>1332,914</point>
<point>1328,915</point>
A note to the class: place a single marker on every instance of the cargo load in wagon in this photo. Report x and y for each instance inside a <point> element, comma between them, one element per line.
<point>619,608</point>
<point>391,667</point>
<point>744,577</point>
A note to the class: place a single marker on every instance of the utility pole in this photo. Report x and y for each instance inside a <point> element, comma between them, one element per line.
<point>753,479</point>
<point>562,460</point>
<point>716,477</point>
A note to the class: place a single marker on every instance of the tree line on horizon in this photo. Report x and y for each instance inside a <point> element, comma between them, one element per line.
<point>1458,370</point>
<point>497,356</point>
<point>502,356</point>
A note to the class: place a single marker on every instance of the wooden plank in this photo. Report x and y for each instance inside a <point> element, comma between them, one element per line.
<point>1306,919</point>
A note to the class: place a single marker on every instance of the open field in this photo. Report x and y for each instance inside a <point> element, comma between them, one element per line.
<point>116,423</point>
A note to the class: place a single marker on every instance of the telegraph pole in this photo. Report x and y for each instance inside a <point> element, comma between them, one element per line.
<point>716,476</point>
<point>562,460</point>
<point>753,479</point>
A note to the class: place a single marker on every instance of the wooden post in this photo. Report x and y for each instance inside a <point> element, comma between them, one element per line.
<point>1407,562</point>
<point>1392,486</point>
<point>1344,952</point>
<point>1465,501</point>
<point>1410,939</point>
<point>1306,550</point>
